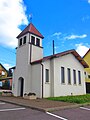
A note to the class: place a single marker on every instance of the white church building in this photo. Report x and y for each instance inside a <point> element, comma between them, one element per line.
<point>60,74</point>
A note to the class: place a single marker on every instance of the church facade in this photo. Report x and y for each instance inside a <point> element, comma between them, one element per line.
<point>56,75</point>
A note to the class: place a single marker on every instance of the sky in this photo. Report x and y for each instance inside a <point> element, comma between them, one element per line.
<point>67,22</point>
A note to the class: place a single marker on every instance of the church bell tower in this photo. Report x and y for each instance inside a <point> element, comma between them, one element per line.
<point>29,50</point>
<point>30,35</point>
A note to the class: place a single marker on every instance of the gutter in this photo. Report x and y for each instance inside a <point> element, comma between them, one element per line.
<point>42,79</point>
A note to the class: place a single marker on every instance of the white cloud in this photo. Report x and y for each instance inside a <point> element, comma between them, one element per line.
<point>12,15</point>
<point>57,34</point>
<point>81,49</point>
<point>87,17</point>
<point>7,66</point>
<point>89,1</point>
<point>75,37</point>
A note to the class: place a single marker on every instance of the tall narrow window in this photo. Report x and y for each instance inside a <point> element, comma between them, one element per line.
<point>20,42</point>
<point>47,75</point>
<point>24,40</point>
<point>32,40</point>
<point>37,42</point>
<point>69,75</point>
<point>74,76</point>
<point>79,77</point>
<point>62,75</point>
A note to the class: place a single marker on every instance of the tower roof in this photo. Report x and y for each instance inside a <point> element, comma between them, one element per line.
<point>30,29</point>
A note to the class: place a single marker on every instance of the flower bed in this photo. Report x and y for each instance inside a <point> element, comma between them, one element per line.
<point>7,93</point>
<point>30,96</point>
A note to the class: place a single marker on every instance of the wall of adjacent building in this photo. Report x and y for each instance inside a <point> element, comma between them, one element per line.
<point>3,72</point>
<point>87,70</point>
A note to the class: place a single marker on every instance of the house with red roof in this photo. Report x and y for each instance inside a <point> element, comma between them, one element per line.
<point>5,78</point>
<point>59,74</point>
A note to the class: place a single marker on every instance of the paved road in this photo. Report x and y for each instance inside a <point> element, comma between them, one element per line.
<point>81,113</point>
<point>14,112</point>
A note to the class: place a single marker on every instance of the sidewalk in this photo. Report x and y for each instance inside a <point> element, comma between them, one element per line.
<point>38,104</point>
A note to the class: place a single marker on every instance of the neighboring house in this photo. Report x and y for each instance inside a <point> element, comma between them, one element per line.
<point>56,75</point>
<point>5,76</point>
<point>3,71</point>
<point>87,71</point>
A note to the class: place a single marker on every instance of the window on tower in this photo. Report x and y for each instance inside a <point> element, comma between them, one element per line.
<point>32,40</point>
<point>20,42</point>
<point>37,41</point>
<point>24,40</point>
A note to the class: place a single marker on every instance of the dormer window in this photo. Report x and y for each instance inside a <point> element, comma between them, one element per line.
<point>32,40</point>
<point>24,40</point>
<point>20,42</point>
<point>37,41</point>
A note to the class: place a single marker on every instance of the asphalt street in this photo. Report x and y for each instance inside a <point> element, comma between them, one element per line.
<point>14,112</point>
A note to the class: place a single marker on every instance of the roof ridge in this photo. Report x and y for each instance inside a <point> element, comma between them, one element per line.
<point>73,51</point>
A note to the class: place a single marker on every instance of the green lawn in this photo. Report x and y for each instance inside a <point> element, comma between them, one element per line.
<point>73,99</point>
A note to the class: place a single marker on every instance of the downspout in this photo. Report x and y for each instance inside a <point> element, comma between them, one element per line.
<point>42,79</point>
<point>30,49</point>
<point>30,52</point>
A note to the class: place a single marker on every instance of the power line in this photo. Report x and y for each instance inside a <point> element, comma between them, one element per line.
<point>8,50</point>
<point>6,61</point>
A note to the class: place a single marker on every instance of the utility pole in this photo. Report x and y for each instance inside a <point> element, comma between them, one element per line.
<point>53,48</point>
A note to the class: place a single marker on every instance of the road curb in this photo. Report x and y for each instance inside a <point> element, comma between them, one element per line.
<point>27,106</point>
<point>47,109</point>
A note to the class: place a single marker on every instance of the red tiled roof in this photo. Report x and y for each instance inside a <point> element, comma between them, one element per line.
<point>86,53</point>
<point>30,29</point>
<point>77,56</point>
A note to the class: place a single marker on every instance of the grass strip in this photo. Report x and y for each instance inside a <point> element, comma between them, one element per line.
<point>79,99</point>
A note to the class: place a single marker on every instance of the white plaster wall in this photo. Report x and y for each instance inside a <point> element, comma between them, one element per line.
<point>47,85</point>
<point>37,53</point>
<point>68,61</point>
<point>23,68</point>
<point>37,80</point>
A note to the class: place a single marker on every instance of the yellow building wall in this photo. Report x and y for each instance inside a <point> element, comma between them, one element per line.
<point>87,60</point>
<point>3,72</point>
